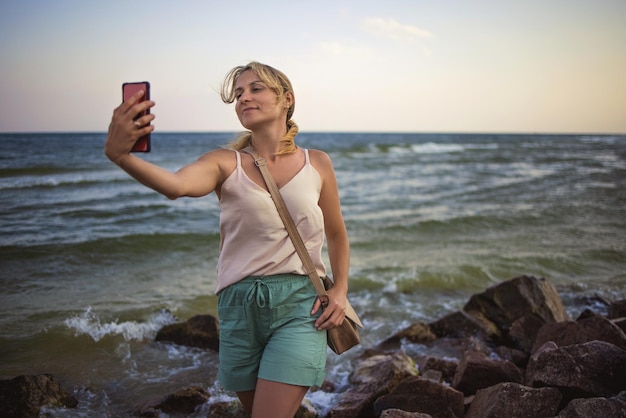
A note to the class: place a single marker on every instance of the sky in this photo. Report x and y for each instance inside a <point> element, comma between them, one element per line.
<point>490,66</point>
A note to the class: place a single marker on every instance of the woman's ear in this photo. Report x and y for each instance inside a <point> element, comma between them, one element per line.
<point>289,99</point>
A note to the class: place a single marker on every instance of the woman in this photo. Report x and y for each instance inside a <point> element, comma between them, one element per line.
<point>272,327</point>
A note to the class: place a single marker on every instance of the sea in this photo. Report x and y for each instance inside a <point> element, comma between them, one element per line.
<point>93,264</point>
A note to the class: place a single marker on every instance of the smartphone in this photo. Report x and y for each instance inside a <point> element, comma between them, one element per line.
<point>128,89</point>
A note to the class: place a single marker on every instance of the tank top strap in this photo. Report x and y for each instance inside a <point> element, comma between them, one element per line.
<point>306,157</point>
<point>238,159</point>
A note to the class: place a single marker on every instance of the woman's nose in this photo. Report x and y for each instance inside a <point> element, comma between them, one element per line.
<point>244,97</point>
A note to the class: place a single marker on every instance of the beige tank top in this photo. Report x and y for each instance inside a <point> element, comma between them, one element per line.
<point>254,241</point>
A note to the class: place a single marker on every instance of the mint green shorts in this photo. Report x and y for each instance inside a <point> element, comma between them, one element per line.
<point>267,331</point>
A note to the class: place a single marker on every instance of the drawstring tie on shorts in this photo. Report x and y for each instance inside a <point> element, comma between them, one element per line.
<point>256,292</point>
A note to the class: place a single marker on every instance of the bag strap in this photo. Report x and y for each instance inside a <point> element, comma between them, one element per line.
<point>292,230</point>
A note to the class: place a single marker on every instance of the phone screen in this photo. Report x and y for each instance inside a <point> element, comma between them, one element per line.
<point>128,89</point>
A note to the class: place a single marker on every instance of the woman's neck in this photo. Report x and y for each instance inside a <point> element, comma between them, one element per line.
<point>267,142</point>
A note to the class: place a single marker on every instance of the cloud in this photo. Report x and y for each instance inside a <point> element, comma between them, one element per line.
<point>391,28</point>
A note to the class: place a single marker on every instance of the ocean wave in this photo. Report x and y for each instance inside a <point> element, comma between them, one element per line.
<point>81,179</point>
<point>604,139</point>
<point>88,323</point>
<point>423,148</point>
<point>432,148</point>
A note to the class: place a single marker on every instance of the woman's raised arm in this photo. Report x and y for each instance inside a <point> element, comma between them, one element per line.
<point>196,179</point>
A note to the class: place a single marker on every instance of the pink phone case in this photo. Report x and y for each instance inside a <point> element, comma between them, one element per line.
<point>128,89</point>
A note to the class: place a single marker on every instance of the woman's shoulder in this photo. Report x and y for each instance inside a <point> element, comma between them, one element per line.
<point>222,159</point>
<point>321,162</point>
<point>218,155</point>
<point>318,156</point>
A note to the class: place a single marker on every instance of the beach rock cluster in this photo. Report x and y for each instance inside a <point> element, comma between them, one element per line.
<point>512,351</point>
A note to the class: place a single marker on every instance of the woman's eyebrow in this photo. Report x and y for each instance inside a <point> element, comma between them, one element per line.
<point>252,83</point>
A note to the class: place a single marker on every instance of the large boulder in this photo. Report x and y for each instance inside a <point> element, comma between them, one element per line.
<point>589,326</point>
<point>416,394</point>
<point>595,408</point>
<point>461,324</point>
<point>477,371</point>
<point>592,369</point>
<point>24,396</point>
<point>514,400</point>
<point>371,378</point>
<point>525,298</point>
<point>182,402</point>
<point>201,331</point>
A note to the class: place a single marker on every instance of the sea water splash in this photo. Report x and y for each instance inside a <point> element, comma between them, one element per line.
<point>89,323</point>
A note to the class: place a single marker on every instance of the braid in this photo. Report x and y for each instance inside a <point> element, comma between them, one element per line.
<point>289,140</point>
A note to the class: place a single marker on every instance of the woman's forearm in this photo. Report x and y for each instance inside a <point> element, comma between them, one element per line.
<point>339,257</point>
<point>157,178</point>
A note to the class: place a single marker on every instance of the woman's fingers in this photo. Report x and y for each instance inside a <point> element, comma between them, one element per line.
<point>331,317</point>
<point>133,107</point>
<point>143,121</point>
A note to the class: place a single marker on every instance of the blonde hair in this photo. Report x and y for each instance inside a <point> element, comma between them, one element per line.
<point>275,80</point>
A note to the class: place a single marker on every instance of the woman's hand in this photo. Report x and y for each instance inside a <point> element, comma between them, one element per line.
<point>334,314</point>
<point>124,131</point>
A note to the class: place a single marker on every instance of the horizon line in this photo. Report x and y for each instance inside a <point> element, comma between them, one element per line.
<point>336,132</point>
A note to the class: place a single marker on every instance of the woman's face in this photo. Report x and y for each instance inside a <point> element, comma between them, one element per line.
<point>256,103</point>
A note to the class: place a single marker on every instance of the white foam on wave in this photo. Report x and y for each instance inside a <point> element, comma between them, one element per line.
<point>433,148</point>
<point>88,323</point>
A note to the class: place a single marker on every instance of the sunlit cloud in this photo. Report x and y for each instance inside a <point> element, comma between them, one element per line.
<point>391,28</point>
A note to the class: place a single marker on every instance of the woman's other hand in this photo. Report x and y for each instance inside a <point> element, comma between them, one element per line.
<point>333,315</point>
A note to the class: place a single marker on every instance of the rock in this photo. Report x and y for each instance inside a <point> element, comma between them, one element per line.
<point>415,394</point>
<point>523,331</point>
<point>476,371</point>
<point>396,413</point>
<point>446,351</point>
<point>514,400</point>
<point>589,326</point>
<point>232,409</point>
<point>184,401</point>
<point>617,309</point>
<point>23,396</point>
<point>327,386</point>
<point>592,369</point>
<point>596,408</point>
<point>520,297</point>
<point>433,375</point>
<point>517,357</point>
<point>200,331</point>
<point>306,410</point>
<point>417,333</point>
<point>461,324</point>
<point>446,367</point>
<point>388,370</point>
<point>621,323</point>
<point>371,378</point>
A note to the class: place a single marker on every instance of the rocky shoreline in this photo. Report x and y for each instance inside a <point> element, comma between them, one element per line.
<point>512,351</point>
